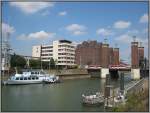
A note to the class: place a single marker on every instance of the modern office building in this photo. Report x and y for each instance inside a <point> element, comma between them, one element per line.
<point>62,51</point>
<point>36,51</point>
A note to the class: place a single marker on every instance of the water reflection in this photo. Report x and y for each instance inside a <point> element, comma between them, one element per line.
<point>65,96</point>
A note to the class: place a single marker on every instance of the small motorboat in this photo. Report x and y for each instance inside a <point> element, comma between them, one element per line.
<point>98,98</point>
<point>51,79</point>
<point>120,97</point>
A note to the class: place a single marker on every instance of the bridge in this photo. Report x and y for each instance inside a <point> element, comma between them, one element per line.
<point>95,70</point>
<point>121,66</point>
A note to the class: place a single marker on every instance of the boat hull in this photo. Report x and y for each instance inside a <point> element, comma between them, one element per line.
<point>18,82</point>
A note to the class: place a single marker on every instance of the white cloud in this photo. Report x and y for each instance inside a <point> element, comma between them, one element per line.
<point>127,39</point>
<point>144,18</point>
<point>122,24</point>
<point>133,32</point>
<point>31,7</point>
<point>104,32</point>
<point>76,29</point>
<point>37,35</point>
<point>63,13</point>
<point>7,29</point>
<point>79,32</point>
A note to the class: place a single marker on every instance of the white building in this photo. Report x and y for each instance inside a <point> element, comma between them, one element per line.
<point>36,51</point>
<point>62,51</point>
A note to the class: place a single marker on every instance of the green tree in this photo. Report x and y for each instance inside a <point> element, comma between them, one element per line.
<point>45,65</point>
<point>35,63</point>
<point>17,61</point>
<point>52,63</point>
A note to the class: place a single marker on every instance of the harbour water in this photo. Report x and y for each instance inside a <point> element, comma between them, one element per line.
<point>64,96</point>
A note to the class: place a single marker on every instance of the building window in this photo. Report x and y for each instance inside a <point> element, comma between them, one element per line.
<point>47,47</point>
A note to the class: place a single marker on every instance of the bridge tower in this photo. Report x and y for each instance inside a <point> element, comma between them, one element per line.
<point>135,71</point>
<point>105,59</point>
<point>141,51</point>
<point>111,56</point>
<point>116,56</point>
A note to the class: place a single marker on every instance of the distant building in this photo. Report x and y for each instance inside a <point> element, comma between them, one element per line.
<point>36,51</point>
<point>111,55</point>
<point>96,53</point>
<point>134,55</point>
<point>116,56</point>
<point>141,52</point>
<point>62,51</point>
<point>105,56</point>
<point>137,54</point>
<point>88,53</point>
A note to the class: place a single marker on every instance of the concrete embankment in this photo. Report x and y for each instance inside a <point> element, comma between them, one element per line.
<point>70,73</point>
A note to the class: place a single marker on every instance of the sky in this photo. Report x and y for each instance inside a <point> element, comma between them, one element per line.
<point>35,23</point>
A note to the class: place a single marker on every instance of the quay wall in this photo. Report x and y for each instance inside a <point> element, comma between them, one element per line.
<point>70,73</point>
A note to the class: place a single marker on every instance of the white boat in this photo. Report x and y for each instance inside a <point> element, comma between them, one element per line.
<point>52,79</point>
<point>29,77</point>
<point>98,98</point>
<point>120,97</point>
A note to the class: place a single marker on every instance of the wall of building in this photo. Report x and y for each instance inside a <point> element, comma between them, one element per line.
<point>116,56</point>
<point>55,50</point>
<point>141,52</point>
<point>105,55</point>
<point>46,52</point>
<point>88,53</point>
<point>36,51</point>
<point>66,53</point>
<point>111,55</point>
<point>62,51</point>
<point>134,55</point>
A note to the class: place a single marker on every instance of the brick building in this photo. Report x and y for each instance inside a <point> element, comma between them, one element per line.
<point>96,53</point>
<point>88,53</point>
<point>134,55</point>
<point>141,52</point>
<point>105,55</point>
<point>111,55</point>
<point>116,56</point>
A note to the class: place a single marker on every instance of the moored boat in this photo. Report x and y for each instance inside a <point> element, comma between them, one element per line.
<point>28,77</point>
<point>52,79</point>
<point>98,98</point>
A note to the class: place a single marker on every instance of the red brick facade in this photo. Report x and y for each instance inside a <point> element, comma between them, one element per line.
<point>95,53</point>
<point>111,56</point>
<point>88,53</point>
<point>105,55</point>
<point>134,55</point>
<point>141,52</point>
<point>116,56</point>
